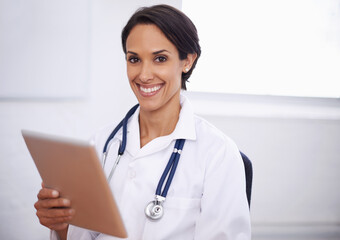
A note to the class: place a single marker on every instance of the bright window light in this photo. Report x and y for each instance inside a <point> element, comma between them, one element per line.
<point>287,47</point>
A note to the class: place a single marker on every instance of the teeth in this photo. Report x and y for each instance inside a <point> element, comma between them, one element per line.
<point>150,90</point>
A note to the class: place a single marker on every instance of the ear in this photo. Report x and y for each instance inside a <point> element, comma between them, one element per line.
<point>191,57</point>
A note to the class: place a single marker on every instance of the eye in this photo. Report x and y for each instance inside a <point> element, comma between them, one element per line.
<point>133,59</point>
<point>160,59</point>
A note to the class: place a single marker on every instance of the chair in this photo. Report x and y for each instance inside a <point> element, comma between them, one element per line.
<point>249,175</point>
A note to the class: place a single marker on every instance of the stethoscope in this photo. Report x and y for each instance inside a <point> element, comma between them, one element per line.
<point>154,210</point>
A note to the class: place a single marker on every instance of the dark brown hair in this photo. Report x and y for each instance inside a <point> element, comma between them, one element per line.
<point>175,25</point>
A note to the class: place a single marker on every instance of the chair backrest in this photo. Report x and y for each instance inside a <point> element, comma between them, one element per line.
<point>249,175</point>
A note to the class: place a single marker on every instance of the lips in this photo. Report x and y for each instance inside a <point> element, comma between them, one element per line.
<point>150,90</point>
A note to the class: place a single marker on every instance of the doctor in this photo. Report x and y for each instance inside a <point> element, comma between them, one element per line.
<point>206,198</point>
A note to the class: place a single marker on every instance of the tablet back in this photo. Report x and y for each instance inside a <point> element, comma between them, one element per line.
<point>72,168</point>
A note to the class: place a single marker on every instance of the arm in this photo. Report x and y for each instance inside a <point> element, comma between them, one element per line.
<point>224,208</point>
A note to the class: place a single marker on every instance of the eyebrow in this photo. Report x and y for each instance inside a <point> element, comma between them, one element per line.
<point>160,51</point>
<point>154,53</point>
<point>132,52</point>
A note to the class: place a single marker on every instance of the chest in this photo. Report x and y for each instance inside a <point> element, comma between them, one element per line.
<point>134,184</point>
<point>145,171</point>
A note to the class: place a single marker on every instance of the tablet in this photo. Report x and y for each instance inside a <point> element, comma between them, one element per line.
<point>72,167</point>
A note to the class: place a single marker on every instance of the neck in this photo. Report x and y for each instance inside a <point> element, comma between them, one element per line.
<point>161,122</point>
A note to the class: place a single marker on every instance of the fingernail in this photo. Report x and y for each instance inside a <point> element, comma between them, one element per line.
<point>66,202</point>
<point>71,211</point>
<point>55,193</point>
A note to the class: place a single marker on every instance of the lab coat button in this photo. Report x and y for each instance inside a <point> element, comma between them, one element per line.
<point>132,174</point>
<point>131,165</point>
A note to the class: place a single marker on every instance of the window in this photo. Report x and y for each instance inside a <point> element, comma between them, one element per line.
<point>287,47</point>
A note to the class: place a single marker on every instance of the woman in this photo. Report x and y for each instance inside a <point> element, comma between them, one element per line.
<point>206,198</point>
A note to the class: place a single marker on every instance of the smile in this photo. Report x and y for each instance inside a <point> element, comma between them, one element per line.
<point>150,90</point>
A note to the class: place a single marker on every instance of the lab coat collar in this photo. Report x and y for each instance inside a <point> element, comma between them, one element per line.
<point>185,129</point>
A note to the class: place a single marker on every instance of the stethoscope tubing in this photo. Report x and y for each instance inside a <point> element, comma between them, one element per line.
<point>171,166</point>
<point>122,145</point>
<point>123,124</point>
<point>154,210</point>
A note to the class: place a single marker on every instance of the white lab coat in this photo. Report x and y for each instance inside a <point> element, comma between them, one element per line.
<point>207,197</point>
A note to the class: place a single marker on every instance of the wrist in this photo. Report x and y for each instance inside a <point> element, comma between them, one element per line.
<point>62,234</point>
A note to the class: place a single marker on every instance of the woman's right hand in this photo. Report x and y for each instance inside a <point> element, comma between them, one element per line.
<point>53,211</point>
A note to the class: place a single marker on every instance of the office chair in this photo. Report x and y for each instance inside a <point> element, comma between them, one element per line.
<point>249,175</point>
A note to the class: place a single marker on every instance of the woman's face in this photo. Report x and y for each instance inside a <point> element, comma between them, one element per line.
<point>153,67</point>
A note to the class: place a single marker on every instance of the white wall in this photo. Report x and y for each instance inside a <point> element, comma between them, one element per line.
<point>294,147</point>
<point>105,98</point>
<point>292,142</point>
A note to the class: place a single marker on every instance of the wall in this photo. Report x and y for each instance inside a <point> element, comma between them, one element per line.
<point>292,142</point>
<point>294,147</point>
<point>69,113</point>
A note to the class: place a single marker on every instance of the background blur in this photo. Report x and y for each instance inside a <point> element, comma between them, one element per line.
<point>62,71</point>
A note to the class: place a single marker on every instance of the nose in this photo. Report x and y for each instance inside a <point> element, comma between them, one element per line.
<point>146,74</point>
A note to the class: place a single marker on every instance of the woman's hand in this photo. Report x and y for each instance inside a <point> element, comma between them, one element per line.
<point>53,211</point>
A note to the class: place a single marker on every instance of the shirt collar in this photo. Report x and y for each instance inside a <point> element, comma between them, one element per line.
<point>185,129</point>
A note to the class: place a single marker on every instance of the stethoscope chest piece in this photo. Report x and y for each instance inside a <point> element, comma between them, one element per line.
<point>154,210</point>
